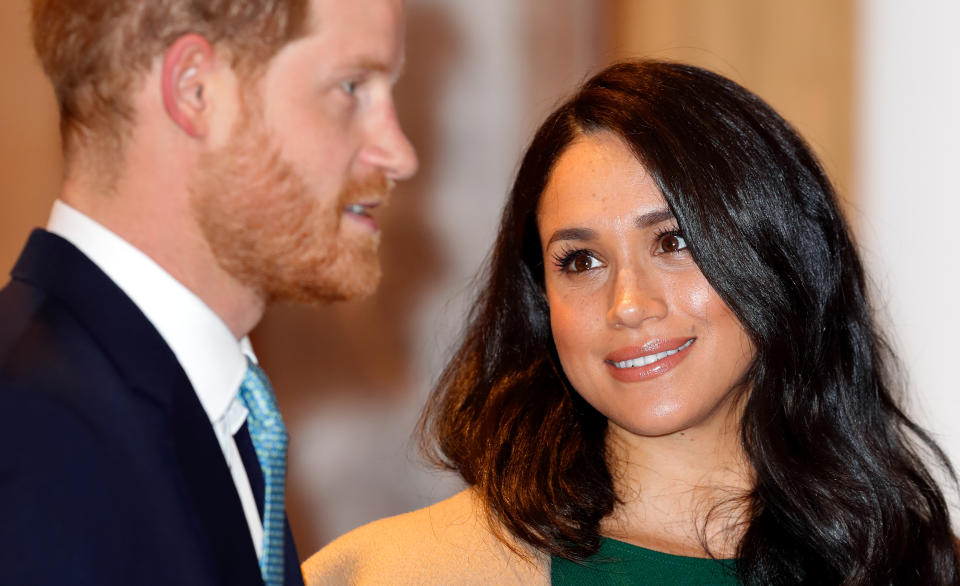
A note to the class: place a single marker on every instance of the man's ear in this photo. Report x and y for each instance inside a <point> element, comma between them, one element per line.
<point>187,65</point>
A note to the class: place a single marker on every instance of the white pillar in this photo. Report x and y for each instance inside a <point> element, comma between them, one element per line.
<point>909,145</point>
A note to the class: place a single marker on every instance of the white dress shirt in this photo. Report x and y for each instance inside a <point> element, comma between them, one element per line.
<point>213,359</point>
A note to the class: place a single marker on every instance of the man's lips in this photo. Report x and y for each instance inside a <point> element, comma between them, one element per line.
<point>361,211</point>
<point>635,363</point>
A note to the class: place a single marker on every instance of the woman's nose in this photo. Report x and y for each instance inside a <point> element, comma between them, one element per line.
<point>635,300</point>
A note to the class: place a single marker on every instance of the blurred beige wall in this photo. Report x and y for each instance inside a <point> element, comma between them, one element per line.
<point>798,55</point>
<point>30,166</point>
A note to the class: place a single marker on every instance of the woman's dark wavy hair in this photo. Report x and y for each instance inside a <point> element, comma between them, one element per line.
<point>841,493</point>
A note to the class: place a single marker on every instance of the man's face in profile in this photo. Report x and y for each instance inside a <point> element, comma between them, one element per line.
<point>286,203</point>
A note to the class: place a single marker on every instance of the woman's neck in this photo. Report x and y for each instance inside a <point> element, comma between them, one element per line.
<point>681,491</point>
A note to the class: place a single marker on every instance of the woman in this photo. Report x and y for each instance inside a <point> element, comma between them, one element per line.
<point>672,374</point>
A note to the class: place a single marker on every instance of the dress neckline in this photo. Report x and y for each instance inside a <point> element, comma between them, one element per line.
<point>623,549</point>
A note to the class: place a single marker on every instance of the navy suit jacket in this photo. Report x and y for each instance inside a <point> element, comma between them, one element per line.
<point>111,473</point>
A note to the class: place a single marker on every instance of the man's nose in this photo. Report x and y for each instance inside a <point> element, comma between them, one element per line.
<point>389,149</point>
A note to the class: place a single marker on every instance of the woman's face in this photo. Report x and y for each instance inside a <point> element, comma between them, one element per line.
<point>641,334</point>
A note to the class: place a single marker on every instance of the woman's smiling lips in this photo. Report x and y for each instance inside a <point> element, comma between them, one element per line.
<point>637,363</point>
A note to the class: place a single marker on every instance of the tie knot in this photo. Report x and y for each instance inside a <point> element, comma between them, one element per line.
<point>257,395</point>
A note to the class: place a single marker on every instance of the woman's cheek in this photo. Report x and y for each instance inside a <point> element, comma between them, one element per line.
<point>696,296</point>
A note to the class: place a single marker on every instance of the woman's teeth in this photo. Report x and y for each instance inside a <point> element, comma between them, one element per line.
<point>650,359</point>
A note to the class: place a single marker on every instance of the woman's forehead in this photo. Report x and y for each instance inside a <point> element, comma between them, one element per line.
<point>598,176</point>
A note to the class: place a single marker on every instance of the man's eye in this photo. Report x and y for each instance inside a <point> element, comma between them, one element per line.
<point>672,243</point>
<point>582,261</point>
<point>349,86</point>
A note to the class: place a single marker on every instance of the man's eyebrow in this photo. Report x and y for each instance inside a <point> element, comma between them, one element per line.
<point>653,218</point>
<point>572,234</point>
<point>371,65</point>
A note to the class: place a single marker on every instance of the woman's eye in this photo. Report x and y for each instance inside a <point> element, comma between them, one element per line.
<point>582,262</point>
<point>672,243</point>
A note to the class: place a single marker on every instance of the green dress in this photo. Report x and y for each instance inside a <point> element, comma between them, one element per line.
<point>620,564</point>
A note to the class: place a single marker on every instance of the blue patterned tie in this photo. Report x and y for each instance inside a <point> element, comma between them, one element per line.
<point>270,442</point>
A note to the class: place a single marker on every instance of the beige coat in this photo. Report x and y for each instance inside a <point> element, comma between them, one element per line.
<point>446,543</point>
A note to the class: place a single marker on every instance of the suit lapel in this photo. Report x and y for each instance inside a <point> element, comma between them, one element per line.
<point>149,366</point>
<point>213,491</point>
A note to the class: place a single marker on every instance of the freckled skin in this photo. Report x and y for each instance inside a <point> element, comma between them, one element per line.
<point>631,293</point>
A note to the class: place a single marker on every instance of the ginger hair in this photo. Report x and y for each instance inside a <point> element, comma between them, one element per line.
<point>95,52</point>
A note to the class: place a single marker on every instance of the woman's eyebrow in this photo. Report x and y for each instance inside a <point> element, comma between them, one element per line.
<point>653,218</point>
<point>572,234</point>
<point>646,220</point>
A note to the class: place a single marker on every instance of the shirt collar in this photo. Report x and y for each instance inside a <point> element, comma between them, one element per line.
<point>211,356</point>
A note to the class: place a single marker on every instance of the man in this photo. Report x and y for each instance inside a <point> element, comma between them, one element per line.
<point>219,155</point>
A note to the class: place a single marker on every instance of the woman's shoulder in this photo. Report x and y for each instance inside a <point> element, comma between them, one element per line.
<point>448,542</point>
